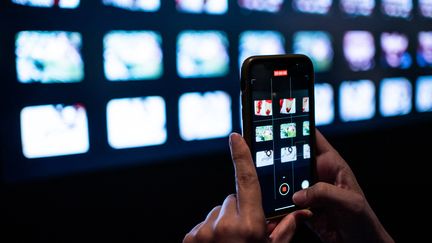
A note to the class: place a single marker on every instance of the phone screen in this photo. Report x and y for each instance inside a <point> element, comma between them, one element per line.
<point>282,128</point>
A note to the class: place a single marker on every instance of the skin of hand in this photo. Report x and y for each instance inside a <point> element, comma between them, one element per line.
<point>241,217</point>
<point>341,211</point>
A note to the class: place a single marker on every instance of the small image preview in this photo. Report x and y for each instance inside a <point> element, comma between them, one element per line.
<point>359,50</point>
<point>271,6</point>
<point>306,151</point>
<point>135,5</point>
<point>395,50</point>
<point>317,45</point>
<point>202,6</point>
<point>424,50</point>
<point>202,54</point>
<point>49,57</point>
<point>254,43</point>
<point>305,104</point>
<point>143,62</point>
<point>264,133</point>
<point>288,154</point>
<point>424,94</point>
<point>205,115</point>
<point>263,107</point>
<point>264,158</point>
<point>49,3</point>
<point>358,7</point>
<point>288,130</point>
<point>306,129</point>
<point>395,96</point>
<point>397,8</point>
<point>426,8</point>
<point>313,6</point>
<point>324,104</point>
<point>54,130</point>
<point>287,106</point>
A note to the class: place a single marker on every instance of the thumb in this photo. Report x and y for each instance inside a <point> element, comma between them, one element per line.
<point>285,229</point>
<point>324,195</point>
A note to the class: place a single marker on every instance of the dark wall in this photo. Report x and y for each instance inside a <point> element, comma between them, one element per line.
<point>161,203</point>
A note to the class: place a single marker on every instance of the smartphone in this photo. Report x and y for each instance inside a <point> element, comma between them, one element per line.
<point>278,119</point>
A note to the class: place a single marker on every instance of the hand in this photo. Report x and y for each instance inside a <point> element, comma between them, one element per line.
<point>241,217</point>
<point>341,211</point>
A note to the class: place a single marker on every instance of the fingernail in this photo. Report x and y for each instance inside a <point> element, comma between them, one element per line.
<point>233,138</point>
<point>299,197</point>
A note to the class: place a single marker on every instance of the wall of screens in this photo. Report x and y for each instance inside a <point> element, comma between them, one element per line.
<point>95,84</point>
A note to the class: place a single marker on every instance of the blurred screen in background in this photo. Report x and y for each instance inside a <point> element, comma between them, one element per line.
<point>89,85</point>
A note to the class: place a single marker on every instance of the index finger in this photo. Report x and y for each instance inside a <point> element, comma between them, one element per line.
<point>247,184</point>
<point>323,146</point>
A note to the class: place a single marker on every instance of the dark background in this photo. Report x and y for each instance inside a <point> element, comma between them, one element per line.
<point>162,203</point>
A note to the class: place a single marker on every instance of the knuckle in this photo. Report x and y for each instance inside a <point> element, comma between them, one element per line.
<point>188,238</point>
<point>246,178</point>
<point>252,230</point>
<point>359,203</point>
<point>224,228</point>
<point>201,234</point>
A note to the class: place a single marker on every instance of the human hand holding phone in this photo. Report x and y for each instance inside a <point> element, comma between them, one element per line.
<point>341,211</point>
<point>241,217</point>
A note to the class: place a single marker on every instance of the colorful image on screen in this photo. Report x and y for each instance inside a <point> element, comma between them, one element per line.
<point>263,107</point>
<point>359,50</point>
<point>49,3</point>
<point>287,106</point>
<point>288,130</point>
<point>395,50</point>
<point>358,7</point>
<point>357,100</point>
<point>397,8</point>
<point>136,122</point>
<point>305,104</point>
<point>263,133</point>
<point>202,54</point>
<point>49,57</point>
<point>424,50</point>
<point>324,104</point>
<point>54,130</point>
<point>312,6</point>
<point>424,94</point>
<point>426,8</point>
<point>317,45</point>
<point>143,61</point>
<point>272,6</point>
<point>253,43</point>
<point>306,129</point>
<point>205,115</point>
<point>135,5</point>
<point>202,6</point>
<point>395,97</point>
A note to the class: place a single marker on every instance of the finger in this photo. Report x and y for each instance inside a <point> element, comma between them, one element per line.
<point>229,207</point>
<point>326,195</point>
<point>247,184</point>
<point>203,231</point>
<point>271,225</point>
<point>323,146</point>
<point>285,230</point>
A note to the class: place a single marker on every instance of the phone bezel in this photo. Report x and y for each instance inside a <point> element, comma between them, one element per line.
<point>247,113</point>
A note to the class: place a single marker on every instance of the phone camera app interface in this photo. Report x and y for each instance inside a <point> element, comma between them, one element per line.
<point>281,125</point>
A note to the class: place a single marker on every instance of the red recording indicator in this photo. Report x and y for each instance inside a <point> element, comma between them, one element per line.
<point>277,73</point>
